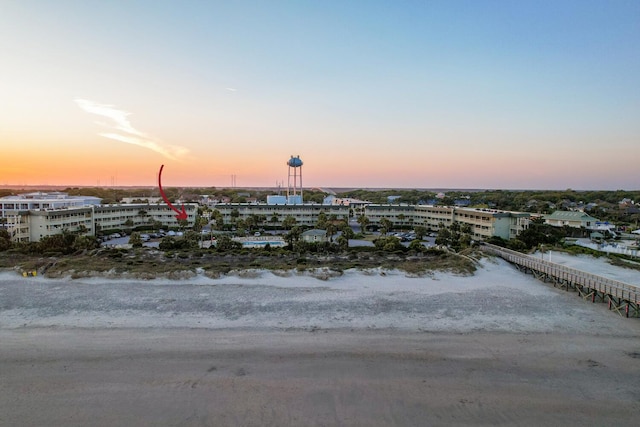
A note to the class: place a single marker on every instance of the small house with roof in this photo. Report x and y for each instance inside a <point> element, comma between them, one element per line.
<point>571,219</point>
<point>314,236</point>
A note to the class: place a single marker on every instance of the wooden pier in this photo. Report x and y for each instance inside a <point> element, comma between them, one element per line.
<point>621,297</point>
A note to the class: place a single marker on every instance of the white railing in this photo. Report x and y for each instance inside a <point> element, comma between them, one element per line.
<point>592,281</point>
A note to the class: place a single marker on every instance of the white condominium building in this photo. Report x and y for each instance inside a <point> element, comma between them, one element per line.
<point>274,215</point>
<point>29,219</point>
<point>484,223</point>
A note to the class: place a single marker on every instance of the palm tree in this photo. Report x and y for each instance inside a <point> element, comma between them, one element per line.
<point>260,220</point>
<point>200,223</point>
<point>363,221</point>
<point>466,229</point>
<point>343,242</point>
<point>251,222</point>
<point>331,230</point>
<point>386,225</point>
<point>235,214</point>
<point>289,222</point>
<point>401,218</point>
<point>421,231</point>
<point>347,231</point>
<point>143,214</point>
<point>293,236</point>
<point>219,220</point>
<point>322,220</point>
<point>443,237</point>
<point>135,240</point>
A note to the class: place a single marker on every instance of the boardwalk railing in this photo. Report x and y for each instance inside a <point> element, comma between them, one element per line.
<point>619,295</point>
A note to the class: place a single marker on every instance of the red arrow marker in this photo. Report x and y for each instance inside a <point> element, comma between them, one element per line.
<point>180,214</point>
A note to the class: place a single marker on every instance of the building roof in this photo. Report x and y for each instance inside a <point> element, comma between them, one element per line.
<point>570,216</point>
<point>315,232</point>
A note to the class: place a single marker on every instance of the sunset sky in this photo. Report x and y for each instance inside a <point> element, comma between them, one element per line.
<point>405,94</point>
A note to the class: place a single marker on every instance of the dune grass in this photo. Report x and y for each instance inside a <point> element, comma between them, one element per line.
<point>149,263</point>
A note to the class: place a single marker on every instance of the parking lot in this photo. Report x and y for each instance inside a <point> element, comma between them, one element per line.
<point>152,239</point>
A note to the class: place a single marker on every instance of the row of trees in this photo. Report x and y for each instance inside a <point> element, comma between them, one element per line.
<point>65,243</point>
<point>456,236</point>
<point>502,199</point>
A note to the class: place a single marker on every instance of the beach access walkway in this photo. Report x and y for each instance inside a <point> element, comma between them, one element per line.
<point>622,297</point>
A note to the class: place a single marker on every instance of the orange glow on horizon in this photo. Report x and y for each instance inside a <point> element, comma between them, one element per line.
<point>100,161</point>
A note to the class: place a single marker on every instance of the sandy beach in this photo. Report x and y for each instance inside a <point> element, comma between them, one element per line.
<point>496,348</point>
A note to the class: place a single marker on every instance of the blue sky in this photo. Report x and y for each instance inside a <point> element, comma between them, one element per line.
<point>446,94</point>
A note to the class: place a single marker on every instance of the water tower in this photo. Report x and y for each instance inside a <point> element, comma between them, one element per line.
<point>294,183</point>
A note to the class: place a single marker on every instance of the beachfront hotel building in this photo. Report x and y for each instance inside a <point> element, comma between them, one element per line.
<point>113,217</point>
<point>484,223</point>
<point>305,215</point>
<point>9,205</point>
<point>30,217</point>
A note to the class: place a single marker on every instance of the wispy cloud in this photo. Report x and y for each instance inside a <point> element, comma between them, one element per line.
<point>230,89</point>
<point>127,133</point>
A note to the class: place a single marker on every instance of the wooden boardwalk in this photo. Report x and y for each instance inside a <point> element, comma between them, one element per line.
<point>621,297</point>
